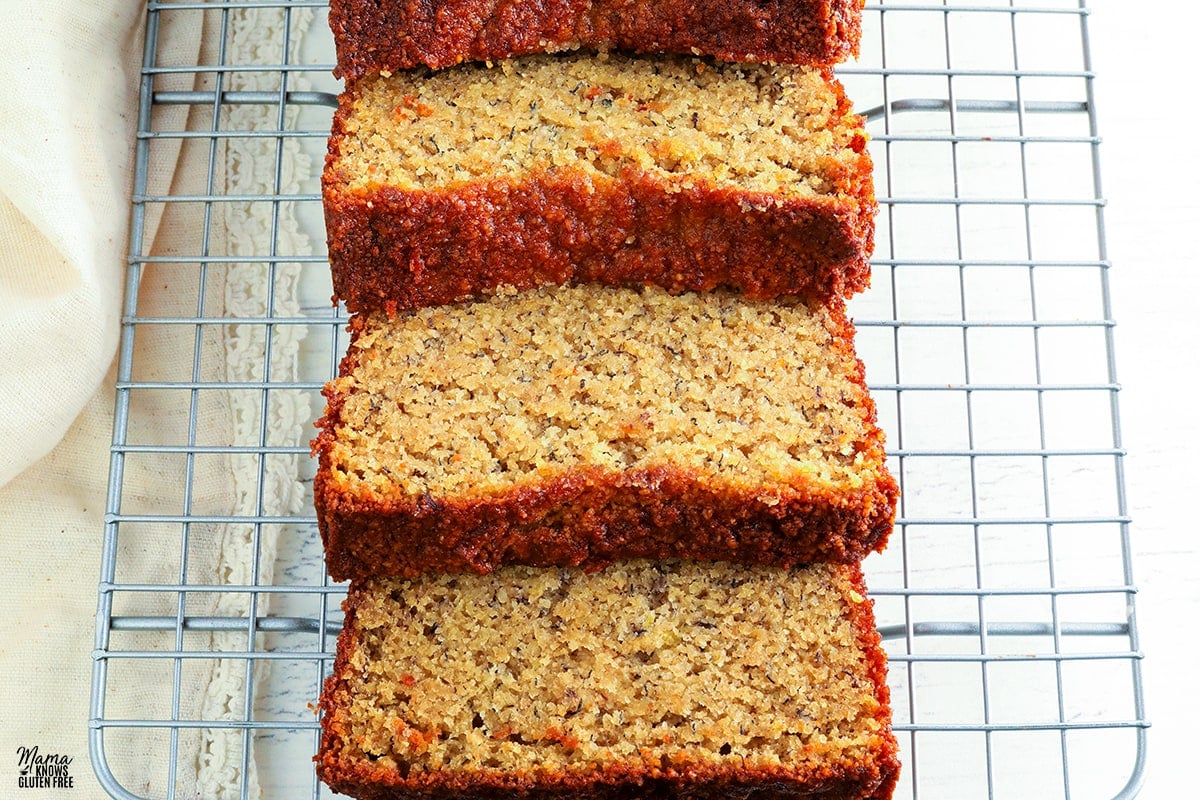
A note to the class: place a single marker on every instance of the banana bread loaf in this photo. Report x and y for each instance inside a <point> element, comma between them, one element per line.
<point>581,425</point>
<point>645,680</point>
<point>390,35</point>
<point>673,171</point>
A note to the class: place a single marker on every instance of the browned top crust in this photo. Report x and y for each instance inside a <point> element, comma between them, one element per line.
<point>392,249</point>
<point>592,519</point>
<point>375,36</point>
<point>617,782</point>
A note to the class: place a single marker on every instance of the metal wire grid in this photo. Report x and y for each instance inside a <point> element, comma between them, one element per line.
<point>1006,596</point>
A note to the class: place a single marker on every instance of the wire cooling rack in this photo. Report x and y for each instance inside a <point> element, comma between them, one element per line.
<point>1006,596</point>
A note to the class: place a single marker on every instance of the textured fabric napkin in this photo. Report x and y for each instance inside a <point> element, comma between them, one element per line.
<point>69,74</point>
<point>67,129</point>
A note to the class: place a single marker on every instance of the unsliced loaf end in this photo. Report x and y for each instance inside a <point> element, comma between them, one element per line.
<point>673,171</point>
<point>390,35</point>
<point>661,680</point>
<point>579,425</point>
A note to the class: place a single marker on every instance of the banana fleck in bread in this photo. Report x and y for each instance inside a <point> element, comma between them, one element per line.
<point>582,425</point>
<point>654,680</point>
<point>390,35</point>
<point>673,171</point>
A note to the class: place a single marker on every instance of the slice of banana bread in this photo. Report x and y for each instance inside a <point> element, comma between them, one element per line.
<point>647,679</point>
<point>672,171</point>
<point>581,425</point>
<point>390,35</point>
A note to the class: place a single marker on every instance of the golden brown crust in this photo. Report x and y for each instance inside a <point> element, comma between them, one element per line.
<point>395,249</point>
<point>590,518</point>
<point>392,249</point>
<point>388,35</point>
<point>835,779</point>
<point>616,783</point>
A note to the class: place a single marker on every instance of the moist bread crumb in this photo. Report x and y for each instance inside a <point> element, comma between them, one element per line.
<point>579,425</point>
<point>647,679</point>
<point>667,170</point>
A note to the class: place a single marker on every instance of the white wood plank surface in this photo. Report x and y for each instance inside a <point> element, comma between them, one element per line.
<point>1144,58</point>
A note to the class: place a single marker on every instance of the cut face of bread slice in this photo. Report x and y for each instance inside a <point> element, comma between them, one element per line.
<point>673,679</point>
<point>672,171</point>
<point>580,425</point>
<point>390,35</point>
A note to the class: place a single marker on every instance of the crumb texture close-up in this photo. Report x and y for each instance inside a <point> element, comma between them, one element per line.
<point>673,671</point>
<point>577,425</point>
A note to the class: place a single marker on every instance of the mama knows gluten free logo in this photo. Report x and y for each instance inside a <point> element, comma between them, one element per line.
<point>36,770</point>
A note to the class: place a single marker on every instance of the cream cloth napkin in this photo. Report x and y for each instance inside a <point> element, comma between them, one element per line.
<point>67,124</point>
<point>67,117</point>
